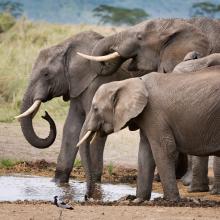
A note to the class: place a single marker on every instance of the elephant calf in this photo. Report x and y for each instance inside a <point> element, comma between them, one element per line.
<point>175,113</point>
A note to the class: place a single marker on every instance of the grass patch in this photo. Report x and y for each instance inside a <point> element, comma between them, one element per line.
<point>7,163</point>
<point>110,168</point>
<point>78,163</point>
<point>19,47</point>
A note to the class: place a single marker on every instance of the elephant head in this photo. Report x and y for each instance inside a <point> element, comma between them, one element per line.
<point>58,71</point>
<point>154,45</point>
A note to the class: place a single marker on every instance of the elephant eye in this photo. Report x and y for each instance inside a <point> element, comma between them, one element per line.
<point>46,74</point>
<point>95,108</point>
<point>139,36</point>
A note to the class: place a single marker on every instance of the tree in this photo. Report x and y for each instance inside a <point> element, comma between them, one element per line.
<point>119,15</point>
<point>205,9</point>
<point>13,8</point>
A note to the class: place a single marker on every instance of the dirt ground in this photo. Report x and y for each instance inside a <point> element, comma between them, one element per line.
<point>48,212</point>
<point>121,151</point>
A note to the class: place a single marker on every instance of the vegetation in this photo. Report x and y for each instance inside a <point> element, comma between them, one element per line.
<point>6,21</point>
<point>110,168</point>
<point>7,163</point>
<point>207,9</point>
<point>13,8</point>
<point>77,163</point>
<point>119,16</point>
<point>19,47</point>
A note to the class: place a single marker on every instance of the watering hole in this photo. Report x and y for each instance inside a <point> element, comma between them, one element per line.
<point>24,187</point>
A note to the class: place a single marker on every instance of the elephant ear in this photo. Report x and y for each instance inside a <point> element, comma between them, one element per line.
<point>81,72</point>
<point>179,38</point>
<point>129,100</point>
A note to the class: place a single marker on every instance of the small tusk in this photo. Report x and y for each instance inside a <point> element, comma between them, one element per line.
<point>93,138</point>
<point>84,138</point>
<point>100,58</point>
<point>35,106</point>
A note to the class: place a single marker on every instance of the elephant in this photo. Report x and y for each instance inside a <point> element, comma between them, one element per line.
<point>197,175</point>
<point>59,71</point>
<point>160,44</point>
<point>169,110</point>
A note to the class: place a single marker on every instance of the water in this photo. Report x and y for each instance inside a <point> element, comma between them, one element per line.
<point>19,187</point>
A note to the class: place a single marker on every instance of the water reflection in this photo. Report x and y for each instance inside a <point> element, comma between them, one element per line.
<point>14,188</point>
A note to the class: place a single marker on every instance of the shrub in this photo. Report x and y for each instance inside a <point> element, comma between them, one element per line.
<point>6,21</point>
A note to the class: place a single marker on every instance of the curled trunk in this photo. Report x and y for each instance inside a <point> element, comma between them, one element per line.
<point>28,130</point>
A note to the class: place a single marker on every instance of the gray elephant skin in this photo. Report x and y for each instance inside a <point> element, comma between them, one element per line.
<point>197,175</point>
<point>159,45</point>
<point>169,109</point>
<point>59,71</point>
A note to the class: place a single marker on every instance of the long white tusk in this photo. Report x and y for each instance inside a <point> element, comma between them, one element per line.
<point>100,58</point>
<point>93,138</point>
<point>84,138</point>
<point>30,110</point>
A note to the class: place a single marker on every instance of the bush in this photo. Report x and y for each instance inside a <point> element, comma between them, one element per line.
<point>6,21</point>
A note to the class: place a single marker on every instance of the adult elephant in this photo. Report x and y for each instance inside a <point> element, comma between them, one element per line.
<point>165,108</point>
<point>59,71</point>
<point>159,45</point>
<point>197,175</point>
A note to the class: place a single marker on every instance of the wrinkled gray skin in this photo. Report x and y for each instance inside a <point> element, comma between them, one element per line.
<point>165,107</point>
<point>59,71</point>
<point>197,175</point>
<point>160,44</point>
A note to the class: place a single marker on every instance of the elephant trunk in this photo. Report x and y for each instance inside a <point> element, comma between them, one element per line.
<point>87,164</point>
<point>28,130</point>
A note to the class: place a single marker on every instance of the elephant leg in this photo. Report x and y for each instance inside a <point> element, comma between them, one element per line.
<point>200,181</point>
<point>68,151</point>
<point>216,168</point>
<point>146,168</point>
<point>181,164</point>
<point>96,153</point>
<point>164,152</point>
<point>187,178</point>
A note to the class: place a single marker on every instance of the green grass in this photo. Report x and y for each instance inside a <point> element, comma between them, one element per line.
<point>7,163</point>
<point>77,163</point>
<point>110,168</point>
<point>19,47</point>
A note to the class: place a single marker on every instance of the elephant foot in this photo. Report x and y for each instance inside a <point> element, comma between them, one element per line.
<point>215,189</point>
<point>61,177</point>
<point>138,201</point>
<point>187,178</point>
<point>198,188</point>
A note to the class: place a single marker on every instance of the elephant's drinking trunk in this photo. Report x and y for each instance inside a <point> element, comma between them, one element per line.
<point>28,130</point>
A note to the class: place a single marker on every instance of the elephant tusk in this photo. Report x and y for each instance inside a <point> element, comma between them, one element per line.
<point>35,106</point>
<point>100,58</point>
<point>93,138</point>
<point>84,138</point>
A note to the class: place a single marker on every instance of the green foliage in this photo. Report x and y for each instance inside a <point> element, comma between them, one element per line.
<point>110,168</point>
<point>7,163</point>
<point>119,15</point>
<point>77,163</point>
<point>13,8</point>
<point>205,9</point>
<point>6,21</point>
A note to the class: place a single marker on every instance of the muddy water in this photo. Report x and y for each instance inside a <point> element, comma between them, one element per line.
<point>19,187</point>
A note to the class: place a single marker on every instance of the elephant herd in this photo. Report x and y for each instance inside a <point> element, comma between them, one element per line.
<point>160,76</point>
